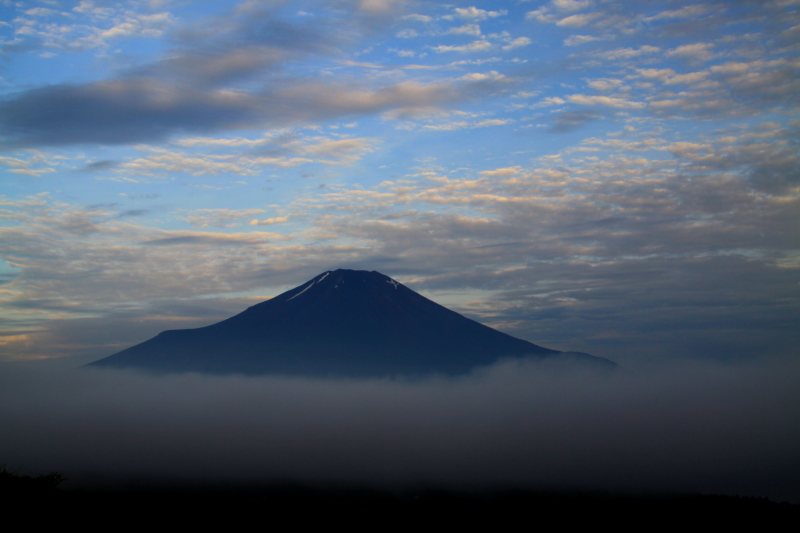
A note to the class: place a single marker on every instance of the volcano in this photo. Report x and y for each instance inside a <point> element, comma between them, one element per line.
<point>341,323</point>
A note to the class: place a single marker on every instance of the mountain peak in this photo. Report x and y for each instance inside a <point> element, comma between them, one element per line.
<point>342,323</point>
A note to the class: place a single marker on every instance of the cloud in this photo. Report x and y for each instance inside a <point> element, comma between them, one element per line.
<point>39,12</point>
<point>474,46</point>
<point>492,75</point>
<point>132,213</point>
<point>407,34</point>
<point>24,163</point>
<point>165,162</point>
<point>466,29</point>
<point>178,238</point>
<point>379,7</point>
<point>418,18</point>
<point>609,101</point>
<point>96,166</point>
<point>222,74</point>
<point>540,14</point>
<point>629,53</point>
<point>692,11</point>
<point>577,40</point>
<point>126,111</point>
<point>519,42</point>
<point>549,101</point>
<point>247,156</point>
<point>478,14</point>
<point>568,121</point>
<point>570,5</point>
<point>334,151</point>
<point>577,21</point>
<point>693,52</point>
<point>268,221</point>
<point>501,172</point>
<point>460,125</point>
<point>691,77</point>
<point>218,218</point>
<point>52,32</point>
<point>214,68</point>
<point>693,427</point>
<point>605,84</point>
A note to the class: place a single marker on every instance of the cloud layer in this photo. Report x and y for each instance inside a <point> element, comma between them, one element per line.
<point>695,427</point>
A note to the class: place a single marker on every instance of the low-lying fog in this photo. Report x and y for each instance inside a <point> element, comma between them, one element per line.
<point>711,427</point>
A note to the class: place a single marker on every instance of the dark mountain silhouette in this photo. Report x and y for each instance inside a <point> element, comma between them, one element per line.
<point>341,323</point>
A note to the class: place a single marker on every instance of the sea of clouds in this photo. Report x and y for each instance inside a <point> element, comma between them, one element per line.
<point>674,426</point>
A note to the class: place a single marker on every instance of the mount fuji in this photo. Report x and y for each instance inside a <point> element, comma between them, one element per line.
<point>340,323</point>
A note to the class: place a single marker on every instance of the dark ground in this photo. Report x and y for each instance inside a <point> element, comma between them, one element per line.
<point>40,500</point>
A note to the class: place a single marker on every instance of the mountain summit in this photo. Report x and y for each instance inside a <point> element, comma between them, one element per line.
<point>341,323</point>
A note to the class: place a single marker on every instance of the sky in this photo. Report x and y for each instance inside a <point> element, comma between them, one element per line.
<point>543,162</point>
<point>613,177</point>
<point>619,178</point>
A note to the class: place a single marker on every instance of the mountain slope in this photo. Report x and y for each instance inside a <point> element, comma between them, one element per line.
<point>343,323</point>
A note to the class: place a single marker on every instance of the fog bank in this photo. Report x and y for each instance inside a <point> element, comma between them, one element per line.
<point>709,427</point>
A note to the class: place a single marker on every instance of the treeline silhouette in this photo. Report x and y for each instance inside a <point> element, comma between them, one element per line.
<point>202,505</point>
<point>14,484</point>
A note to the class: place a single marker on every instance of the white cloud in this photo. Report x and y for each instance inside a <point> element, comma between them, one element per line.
<point>218,218</point>
<point>478,14</point>
<point>493,122</point>
<point>466,29</point>
<point>629,53</point>
<point>290,152</point>
<point>605,84</point>
<point>576,40</point>
<point>268,221</point>
<point>570,5</point>
<point>577,21</point>
<point>461,125</point>
<point>32,172</point>
<point>541,14</point>
<point>691,77</point>
<point>480,76</point>
<point>684,12</point>
<point>733,67</point>
<point>660,74</point>
<point>549,101</point>
<point>377,7</point>
<point>517,43</point>
<point>35,163</point>
<point>693,52</point>
<point>501,172</point>
<point>608,101</point>
<point>474,46</point>
<point>39,12</point>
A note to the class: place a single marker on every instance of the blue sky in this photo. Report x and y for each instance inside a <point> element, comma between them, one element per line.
<point>614,177</point>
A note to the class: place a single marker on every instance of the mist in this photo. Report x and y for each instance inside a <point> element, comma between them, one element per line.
<point>678,426</point>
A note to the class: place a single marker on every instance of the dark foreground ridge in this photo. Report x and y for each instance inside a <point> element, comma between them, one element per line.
<point>341,323</point>
<point>203,505</point>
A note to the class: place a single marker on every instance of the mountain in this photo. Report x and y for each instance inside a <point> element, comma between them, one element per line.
<point>341,323</point>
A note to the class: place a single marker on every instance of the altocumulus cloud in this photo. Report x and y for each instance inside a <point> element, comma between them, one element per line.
<point>221,75</point>
<point>704,427</point>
